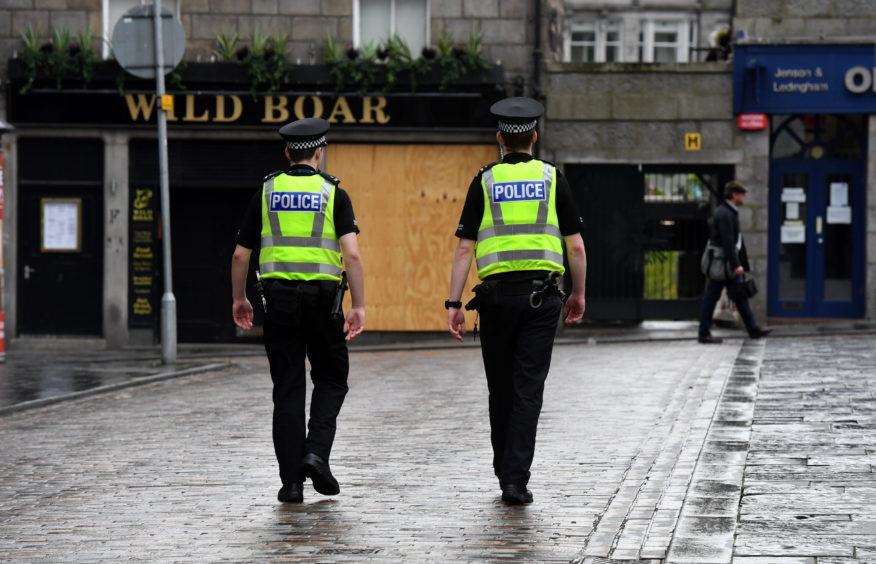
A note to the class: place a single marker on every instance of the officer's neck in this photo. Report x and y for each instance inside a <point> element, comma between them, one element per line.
<point>312,163</point>
<point>507,151</point>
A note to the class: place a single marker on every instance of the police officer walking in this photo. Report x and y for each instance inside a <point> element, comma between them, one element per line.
<point>304,227</point>
<point>516,217</point>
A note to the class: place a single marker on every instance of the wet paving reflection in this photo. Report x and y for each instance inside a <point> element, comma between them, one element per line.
<point>185,470</point>
<point>35,375</point>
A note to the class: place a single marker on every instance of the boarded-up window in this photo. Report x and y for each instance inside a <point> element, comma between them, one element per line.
<point>408,199</point>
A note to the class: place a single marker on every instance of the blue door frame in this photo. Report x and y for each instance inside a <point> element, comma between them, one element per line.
<point>814,296</point>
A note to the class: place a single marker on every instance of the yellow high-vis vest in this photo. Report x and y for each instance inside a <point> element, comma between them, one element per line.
<point>520,229</point>
<point>298,229</point>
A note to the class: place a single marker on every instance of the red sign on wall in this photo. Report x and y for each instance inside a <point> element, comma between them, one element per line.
<point>752,122</point>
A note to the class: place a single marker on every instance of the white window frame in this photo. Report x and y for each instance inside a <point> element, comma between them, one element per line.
<point>357,24</point>
<point>106,47</point>
<point>592,26</point>
<point>681,25</point>
<point>600,29</point>
<point>604,43</point>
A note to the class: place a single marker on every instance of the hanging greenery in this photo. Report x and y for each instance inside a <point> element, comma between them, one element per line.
<point>268,66</point>
<point>369,68</point>
<point>58,58</point>
<point>360,68</point>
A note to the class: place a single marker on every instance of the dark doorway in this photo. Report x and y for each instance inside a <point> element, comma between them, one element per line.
<point>211,185</point>
<point>60,237</point>
<point>645,228</point>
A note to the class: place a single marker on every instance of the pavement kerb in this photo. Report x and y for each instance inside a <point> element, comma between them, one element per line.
<point>591,340</point>
<point>33,404</point>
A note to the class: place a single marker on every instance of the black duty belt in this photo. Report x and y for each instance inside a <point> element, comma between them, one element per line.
<point>490,291</point>
<point>519,288</point>
<point>305,287</point>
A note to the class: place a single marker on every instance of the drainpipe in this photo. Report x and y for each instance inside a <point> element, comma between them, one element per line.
<point>537,56</point>
<point>537,52</point>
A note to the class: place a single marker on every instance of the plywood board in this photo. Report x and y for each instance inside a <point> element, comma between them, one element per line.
<point>408,199</point>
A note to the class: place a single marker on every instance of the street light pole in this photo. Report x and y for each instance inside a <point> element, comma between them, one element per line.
<point>168,301</point>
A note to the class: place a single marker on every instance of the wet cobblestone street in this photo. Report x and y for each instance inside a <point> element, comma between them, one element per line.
<point>750,452</point>
<point>810,486</point>
<point>183,470</point>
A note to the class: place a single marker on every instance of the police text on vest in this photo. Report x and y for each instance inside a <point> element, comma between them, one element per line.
<point>520,191</point>
<point>296,201</point>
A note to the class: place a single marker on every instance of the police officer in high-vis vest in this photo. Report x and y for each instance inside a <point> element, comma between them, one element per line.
<point>304,227</point>
<point>517,216</point>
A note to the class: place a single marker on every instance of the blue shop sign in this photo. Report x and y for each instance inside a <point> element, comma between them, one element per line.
<point>794,79</point>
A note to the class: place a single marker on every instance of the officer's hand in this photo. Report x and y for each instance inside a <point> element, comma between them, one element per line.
<point>739,271</point>
<point>355,322</point>
<point>574,309</point>
<point>242,312</point>
<point>456,323</point>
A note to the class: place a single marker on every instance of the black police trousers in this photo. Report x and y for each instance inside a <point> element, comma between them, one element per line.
<point>516,343</point>
<point>293,331</point>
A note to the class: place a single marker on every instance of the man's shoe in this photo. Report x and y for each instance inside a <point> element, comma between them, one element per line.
<point>319,472</point>
<point>760,333</point>
<point>291,493</point>
<point>709,340</point>
<point>513,494</point>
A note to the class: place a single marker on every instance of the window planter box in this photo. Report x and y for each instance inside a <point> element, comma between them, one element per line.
<point>235,77</point>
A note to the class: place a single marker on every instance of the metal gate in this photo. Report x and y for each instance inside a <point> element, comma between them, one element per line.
<point>645,227</point>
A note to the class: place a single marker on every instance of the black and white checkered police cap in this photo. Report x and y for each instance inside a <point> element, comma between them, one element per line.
<point>518,114</point>
<point>306,133</point>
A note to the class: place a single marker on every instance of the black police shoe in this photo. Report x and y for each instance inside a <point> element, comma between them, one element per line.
<point>291,493</point>
<point>317,469</point>
<point>512,494</point>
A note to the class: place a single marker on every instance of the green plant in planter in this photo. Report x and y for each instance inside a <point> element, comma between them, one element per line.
<point>400,62</point>
<point>84,57</point>
<point>226,46</point>
<point>398,59</point>
<point>456,61</point>
<point>267,62</point>
<point>472,57</point>
<point>331,50</point>
<point>451,66</point>
<point>62,56</point>
<point>351,66</point>
<point>31,56</point>
<point>364,68</point>
<point>58,62</point>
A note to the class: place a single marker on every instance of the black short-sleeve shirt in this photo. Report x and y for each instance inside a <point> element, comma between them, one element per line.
<point>250,233</point>
<point>473,209</point>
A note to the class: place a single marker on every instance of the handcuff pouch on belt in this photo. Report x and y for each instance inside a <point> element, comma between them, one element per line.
<point>550,286</point>
<point>491,292</point>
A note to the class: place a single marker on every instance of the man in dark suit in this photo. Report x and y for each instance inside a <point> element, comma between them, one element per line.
<point>726,234</point>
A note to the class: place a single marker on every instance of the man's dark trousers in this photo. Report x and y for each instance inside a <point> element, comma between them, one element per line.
<point>516,344</point>
<point>314,334</point>
<point>710,300</point>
